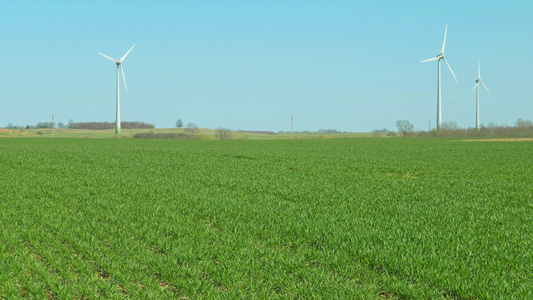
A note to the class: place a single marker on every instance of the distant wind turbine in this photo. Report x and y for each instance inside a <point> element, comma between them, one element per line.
<point>119,66</point>
<point>438,58</point>
<point>478,81</point>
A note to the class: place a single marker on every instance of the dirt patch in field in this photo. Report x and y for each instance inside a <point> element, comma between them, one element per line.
<point>500,140</point>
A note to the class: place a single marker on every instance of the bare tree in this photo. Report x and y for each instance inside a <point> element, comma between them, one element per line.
<point>191,131</point>
<point>523,123</point>
<point>404,127</point>
<point>223,134</point>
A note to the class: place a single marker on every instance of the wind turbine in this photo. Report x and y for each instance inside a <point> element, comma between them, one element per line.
<point>438,58</point>
<point>478,81</point>
<point>119,66</point>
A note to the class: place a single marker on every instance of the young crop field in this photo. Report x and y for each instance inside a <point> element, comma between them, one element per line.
<point>330,218</point>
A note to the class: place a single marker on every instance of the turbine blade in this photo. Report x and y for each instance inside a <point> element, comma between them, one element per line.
<point>431,59</point>
<point>450,69</point>
<point>478,70</point>
<point>124,77</point>
<point>123,57</point>
<point>484,86</point>
<point>112,59</point>
<point>444,43</point>
<point>475,86</point>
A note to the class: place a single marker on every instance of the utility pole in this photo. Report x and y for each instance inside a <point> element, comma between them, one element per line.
<point>52,125</point>
<point>292,127</point>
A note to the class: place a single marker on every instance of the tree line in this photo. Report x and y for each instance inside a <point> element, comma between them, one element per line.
<point>109,125</point>
<point>85,125</point>
<point>523,128</point>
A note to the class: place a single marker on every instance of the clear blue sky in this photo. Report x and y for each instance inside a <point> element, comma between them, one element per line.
<point>251,65</point>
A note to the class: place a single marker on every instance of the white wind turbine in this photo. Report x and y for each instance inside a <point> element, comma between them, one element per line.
<point>478,81</point>
<point>119,66</point>
<point>438,58</point>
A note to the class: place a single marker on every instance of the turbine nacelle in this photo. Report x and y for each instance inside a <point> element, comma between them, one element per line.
<point>438,57</point>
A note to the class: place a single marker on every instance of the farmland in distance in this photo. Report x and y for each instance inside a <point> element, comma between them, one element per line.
<point>336,218</point>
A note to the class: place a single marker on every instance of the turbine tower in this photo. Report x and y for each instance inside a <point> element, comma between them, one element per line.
<point>476,87</point>
<point>438,58</point>
<point>119,66</point>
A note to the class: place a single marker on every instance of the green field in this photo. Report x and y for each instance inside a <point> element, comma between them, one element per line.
<point>322,218</point>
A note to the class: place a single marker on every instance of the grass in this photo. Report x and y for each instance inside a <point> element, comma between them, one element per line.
<point>323,218</point>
